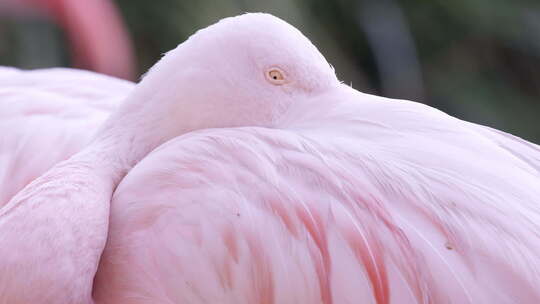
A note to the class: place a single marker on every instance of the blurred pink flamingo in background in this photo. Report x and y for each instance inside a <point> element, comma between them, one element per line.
<point>240,170</point>
<point>98,39</point>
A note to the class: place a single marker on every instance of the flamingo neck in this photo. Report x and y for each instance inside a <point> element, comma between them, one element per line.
<point>113,156</point>
<point>124,139</point>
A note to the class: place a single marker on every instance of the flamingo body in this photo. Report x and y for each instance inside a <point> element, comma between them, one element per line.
<point>48,115</point>
<point>334,209</point>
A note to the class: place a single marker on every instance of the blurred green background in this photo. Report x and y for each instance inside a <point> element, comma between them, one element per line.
<point>478,60</point>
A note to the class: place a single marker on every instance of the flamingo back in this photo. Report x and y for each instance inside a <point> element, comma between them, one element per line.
<point>48,115</point>
<point>374,202</point>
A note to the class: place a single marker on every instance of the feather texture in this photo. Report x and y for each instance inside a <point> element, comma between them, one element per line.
<point>386,202</point>
<point>48,115</point>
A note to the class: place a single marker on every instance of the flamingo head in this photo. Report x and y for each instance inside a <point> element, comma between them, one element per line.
<point>242,71</point>
<point>250,70</point>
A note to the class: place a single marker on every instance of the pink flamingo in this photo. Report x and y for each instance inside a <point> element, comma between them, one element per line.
<point>240,170</point>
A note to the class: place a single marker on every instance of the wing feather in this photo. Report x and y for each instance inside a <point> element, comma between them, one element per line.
<point>48,115</point>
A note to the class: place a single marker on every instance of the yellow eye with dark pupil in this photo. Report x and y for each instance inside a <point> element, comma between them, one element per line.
<point>275,76</point>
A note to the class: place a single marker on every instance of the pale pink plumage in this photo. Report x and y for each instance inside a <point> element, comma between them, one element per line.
<point>48,115</point>
<point>310,192</point>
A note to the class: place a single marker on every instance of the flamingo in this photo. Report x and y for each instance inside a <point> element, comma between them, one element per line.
<point>241,170</point>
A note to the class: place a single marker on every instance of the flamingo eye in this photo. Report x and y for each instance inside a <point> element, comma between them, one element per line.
<point>275,76</point>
